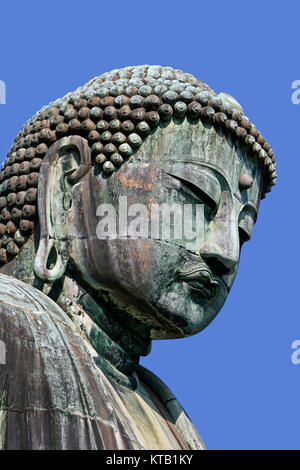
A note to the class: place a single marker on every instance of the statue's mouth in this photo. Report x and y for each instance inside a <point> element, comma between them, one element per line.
<point>206,292</point>
<point>201,280</point>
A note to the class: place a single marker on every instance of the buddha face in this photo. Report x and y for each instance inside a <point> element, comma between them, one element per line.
<point>171,273</point>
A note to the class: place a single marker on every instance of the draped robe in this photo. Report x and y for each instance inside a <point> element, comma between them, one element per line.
<point>54,396</point>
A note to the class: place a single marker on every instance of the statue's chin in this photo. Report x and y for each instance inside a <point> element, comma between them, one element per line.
<point>172,310</point>
<point>188,309</point>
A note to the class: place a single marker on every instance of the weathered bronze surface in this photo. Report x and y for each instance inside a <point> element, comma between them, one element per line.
<point>77,309</point>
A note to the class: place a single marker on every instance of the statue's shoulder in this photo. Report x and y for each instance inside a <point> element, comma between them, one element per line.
<point>31,315</point>
<point>178,415</point>
<point>52,394</point>
<point>17,295</point>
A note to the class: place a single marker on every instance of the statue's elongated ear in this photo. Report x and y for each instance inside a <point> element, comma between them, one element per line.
<point>66,162</point>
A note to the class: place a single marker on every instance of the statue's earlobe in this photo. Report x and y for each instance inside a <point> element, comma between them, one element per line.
<point>66,162</point>
<point>51,259</point>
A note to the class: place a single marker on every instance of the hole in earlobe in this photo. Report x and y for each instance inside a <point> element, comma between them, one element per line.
<point>52,258</point>
<point>50,263</point>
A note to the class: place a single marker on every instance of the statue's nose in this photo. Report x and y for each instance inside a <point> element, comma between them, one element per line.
<point>219,260</point>
<point>221,245</point>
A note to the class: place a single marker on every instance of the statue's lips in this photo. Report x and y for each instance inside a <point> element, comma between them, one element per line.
<point>201,280</point>
<point>206,292</point>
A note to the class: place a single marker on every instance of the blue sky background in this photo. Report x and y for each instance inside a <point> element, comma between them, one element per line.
<point>236,379</point>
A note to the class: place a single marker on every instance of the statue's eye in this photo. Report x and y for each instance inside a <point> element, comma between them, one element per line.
<point>198,192</point>
<point>247,220</point>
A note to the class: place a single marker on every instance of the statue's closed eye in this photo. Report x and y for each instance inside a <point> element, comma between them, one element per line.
<point>197,193</point>
<point>203,188</point>
<point>247,220</point>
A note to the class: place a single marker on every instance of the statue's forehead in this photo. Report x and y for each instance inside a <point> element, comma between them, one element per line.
<point>185,142</point>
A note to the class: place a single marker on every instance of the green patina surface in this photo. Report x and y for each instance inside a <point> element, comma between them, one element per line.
<point>82,309</point>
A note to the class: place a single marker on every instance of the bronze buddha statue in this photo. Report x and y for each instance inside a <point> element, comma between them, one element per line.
<point>87,282</point>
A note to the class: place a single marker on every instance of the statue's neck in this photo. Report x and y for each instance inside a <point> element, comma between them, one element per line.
<point>118,346</point>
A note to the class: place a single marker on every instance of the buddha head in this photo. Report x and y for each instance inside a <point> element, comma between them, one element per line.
<point>143,184</point>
